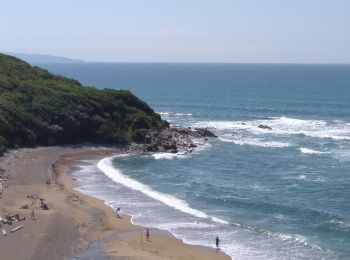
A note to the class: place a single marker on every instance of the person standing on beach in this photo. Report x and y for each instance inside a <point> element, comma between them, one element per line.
<point>217,242</point>
<point>32,214</point>
<point>118,210</point>
<point>147,234</point>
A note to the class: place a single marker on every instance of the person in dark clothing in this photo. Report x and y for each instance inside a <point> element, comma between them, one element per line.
<point>217,242</point>
<point>147,234</point>
<point>117,211</point>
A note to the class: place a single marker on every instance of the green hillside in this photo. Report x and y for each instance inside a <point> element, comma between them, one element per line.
<point>39,108</point>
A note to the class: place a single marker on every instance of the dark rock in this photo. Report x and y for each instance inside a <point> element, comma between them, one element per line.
<point>148,139</point>
<point>204,132</point>
<point>169,146</point>
<point>265,127</point>
<point>172,139</point>
<point>165,134</point>
<point>181,130</point>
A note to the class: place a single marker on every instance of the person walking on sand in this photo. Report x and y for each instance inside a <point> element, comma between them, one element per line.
<point>147,234</point>
<point>217,242</point>
<point>32,214</point>
<point>117,212</point>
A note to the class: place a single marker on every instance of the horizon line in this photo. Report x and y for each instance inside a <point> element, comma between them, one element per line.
<point>205,62</point>
<point>78,60</point>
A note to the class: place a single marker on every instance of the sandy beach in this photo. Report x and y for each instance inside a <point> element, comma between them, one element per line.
<point>76,225</point>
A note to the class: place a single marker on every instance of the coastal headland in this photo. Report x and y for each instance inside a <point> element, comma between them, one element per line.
<point>42,215</point>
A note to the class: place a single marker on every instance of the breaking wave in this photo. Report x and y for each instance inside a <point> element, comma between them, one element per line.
<point>106,166</point>
<point>310,151</point>
<point>173,114</point>
<point>255,142</point>
<point>168,156</point>
<point>284,126</point>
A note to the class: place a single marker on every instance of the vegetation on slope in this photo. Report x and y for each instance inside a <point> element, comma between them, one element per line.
<point>39,108</point>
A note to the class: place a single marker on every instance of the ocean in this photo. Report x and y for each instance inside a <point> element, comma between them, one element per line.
<point>275,184</point>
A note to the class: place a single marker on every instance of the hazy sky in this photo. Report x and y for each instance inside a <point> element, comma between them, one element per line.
<point>311,31</point>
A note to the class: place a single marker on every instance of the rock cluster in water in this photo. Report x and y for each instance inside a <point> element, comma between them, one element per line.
<point>174,139</point>
<point>265,127</point>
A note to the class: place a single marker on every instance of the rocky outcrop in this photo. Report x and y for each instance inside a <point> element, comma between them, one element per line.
<point>265,127</point>
<point>174,139</point>
<point>204,132</point>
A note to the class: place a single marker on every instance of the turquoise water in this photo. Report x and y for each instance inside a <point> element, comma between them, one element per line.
<point>282,193</point>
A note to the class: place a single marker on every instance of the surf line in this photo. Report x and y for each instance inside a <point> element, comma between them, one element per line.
<point>106,166</point>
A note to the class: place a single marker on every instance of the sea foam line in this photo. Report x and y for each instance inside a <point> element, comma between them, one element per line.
<point>310,151</point>
<point>174,114</point>
<point>168,156</point>
<point>105,165</point>
<point>289,238</point>
<point>337,130</point>
<point>255,142</point>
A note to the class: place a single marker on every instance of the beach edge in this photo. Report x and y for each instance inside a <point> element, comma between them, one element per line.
<point>91,219</point>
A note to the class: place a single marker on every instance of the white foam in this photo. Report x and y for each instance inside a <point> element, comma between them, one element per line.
<point>174,114</point>
<point>299,177</point>
<point>280,216</point>
<point>294,238</point>
<point>310,151</point>
<point>343,155</point>
<point>238,243</point>
<point>256,142</point>
<point>176,225</point>
<point>218,220</point>
<point>302,177</point>
<point>337,130</point>
<point>168,156</point>
<point>105,165</point>
<point>344,226</point>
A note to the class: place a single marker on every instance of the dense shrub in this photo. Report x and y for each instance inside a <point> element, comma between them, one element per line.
<point>39,108</point>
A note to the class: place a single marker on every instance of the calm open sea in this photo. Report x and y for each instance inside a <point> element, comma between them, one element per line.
<point>279,193</point>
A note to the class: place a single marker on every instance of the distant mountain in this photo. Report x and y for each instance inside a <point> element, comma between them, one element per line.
<point>40,58</point>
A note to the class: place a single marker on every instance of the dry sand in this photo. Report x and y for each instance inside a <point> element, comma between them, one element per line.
<point>75,225</point>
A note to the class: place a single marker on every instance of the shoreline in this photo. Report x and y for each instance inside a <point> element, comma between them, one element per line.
<point>80,220</point>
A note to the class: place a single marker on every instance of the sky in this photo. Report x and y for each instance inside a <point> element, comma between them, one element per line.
<point>234,31</point>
